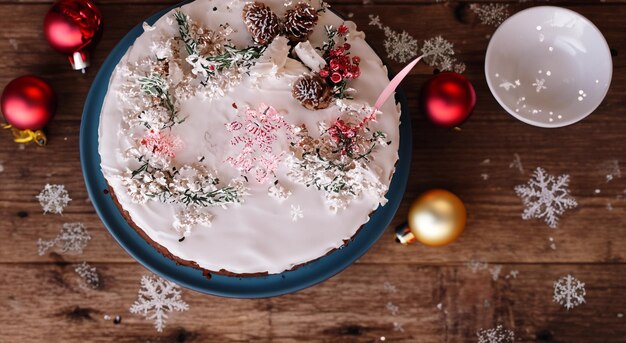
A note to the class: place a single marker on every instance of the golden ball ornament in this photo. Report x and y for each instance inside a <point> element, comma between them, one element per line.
<point>437,218</point>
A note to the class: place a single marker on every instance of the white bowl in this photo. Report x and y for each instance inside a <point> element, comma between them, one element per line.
<point>548,66</point>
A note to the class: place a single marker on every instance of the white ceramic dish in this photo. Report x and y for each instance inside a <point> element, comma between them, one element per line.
<point>548,66</point>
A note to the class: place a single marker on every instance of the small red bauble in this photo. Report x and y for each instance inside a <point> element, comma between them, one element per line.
<point>448,99</point>
<point>28,103</point>
<point>71,27</point>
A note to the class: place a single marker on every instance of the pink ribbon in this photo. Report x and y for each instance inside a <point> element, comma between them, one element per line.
<point>389,90</point>
<point>395,82</point>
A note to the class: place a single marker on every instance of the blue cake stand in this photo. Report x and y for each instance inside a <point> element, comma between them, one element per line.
<point>226,286</point>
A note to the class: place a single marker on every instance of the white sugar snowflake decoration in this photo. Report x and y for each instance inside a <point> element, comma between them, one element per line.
<point>569,292</point>
<point>53,198</point>
<point>156,298</point>
<point>539,85</point>
<point>72,238</point>
<point>491,14</point>
<point>496,335</point>
<point>546,197</point>
<point>89,277</point>
<point>296,213</point>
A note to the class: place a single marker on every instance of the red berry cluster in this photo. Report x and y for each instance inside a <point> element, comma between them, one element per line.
<point>341,66</point>
<point>344,135</point>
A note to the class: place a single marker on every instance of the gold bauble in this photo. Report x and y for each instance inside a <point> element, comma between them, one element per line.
<point>437,218</point>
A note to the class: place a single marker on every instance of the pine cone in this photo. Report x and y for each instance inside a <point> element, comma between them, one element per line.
<point>300,22</point>
<point>261,22</point>
<point>312,91</point>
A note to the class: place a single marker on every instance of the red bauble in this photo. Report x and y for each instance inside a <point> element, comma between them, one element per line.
<point>71,27</point>
<point>28,103</point>
<point>448,99</point>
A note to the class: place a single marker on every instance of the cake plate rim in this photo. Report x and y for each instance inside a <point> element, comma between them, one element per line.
<point>290,281</point>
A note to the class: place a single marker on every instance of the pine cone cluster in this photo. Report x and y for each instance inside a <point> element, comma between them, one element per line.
<point>261,22</point>
<point>300,22</point>
<point>312,91</point>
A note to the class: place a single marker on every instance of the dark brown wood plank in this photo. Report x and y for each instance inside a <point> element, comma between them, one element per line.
<point>40,299</point>
<point>351,307</point>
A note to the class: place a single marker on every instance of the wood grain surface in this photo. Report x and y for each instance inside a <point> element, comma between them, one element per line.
<point>439,298</point>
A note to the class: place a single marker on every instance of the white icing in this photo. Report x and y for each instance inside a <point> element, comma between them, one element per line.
<point>259,235</point>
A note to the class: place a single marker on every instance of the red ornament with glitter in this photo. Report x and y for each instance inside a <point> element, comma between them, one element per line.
<point>28,103</point>
<point>448,99</point>
<point>71,28</point>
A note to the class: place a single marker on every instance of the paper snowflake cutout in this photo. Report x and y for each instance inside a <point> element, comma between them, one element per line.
<point>389,287</point>
<point>491,14</point>
<point>546,197</point>
<point>72,238</point>
<point>398,327</point>
<point>156,298</point>
<point>496,335</point>
<point>517,164</point>
<point>392,308</point>
<point>400,46</point>
<point>569,292</point>
<point>612,170</point>
<point>438,53</point>
<point>296,213</point>
<point>89,277</point>
<point>53,198</point>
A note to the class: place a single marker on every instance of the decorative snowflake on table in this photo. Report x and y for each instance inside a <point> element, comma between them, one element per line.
<point>612,170</point>
<point>546,197</point>
<point>400,46</point>
<point>156,298</point>
<point>296,213</point>
<point>475,265</point>
<point>88,275</point>
<point>569,292</point>
<point>72,238</point>
<point>392,308</point>
<point>398,327</point>
<point>491,14</point>
<point>53,198</point>
<point>517,163</point>
<point>438,53</point>
<point>495,272</point>
<point>389,287</point>
<point>496,335</point>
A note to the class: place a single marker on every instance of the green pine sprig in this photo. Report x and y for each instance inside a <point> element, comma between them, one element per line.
<point>182,20</point>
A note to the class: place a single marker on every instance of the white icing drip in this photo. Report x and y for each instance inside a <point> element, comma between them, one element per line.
<point>258,236</point>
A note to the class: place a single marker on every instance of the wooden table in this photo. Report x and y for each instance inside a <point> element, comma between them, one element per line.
<point>439,297</point>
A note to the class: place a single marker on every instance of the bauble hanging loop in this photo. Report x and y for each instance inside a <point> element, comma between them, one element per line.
<point>71,27</point>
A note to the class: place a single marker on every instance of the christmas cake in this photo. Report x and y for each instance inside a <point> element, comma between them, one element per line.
<point>239,137</point>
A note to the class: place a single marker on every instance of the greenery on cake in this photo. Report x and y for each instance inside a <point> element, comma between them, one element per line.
<point>338,162</point>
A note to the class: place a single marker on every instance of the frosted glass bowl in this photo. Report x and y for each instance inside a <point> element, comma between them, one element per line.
<point>548,66</point>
